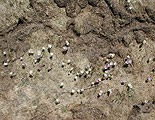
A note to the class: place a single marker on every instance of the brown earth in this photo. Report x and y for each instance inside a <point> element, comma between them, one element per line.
<point>94,28</point>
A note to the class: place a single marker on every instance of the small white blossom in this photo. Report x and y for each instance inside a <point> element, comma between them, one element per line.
<point>89,69</point>
<point>73,91</point>
<point>67,43</point>
<point>128,1</point>
<point>4,53</point>
<point>145,101</point>
<point>69,61</point>
<point>115,63</point>
<point>49,46</point>
<point>110,90</point>
<point>128,56</point>
<point>11,74</point>
<point>144,41</point>
<point>112,55</point>
<point>63,64</point>
<point>92,83</point>
<point>21,58</point>
<point>81,71</point>
<point>5,64</point>
<point>75,78</point>
<point>105,75</point>
<point>30,52</point>
<point>111,63</point>
<point>61,84</point>
<point>43,49</point>
<point>31,72</point>
<point>129,85</point>
<point>57,101</point>
<point>130,7</point>
<point>87,72</point>
<point>78,91</point>
<point>82,90</point>
<point>38,52</point>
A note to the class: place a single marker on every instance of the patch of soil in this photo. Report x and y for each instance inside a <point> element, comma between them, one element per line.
<point>89,31</point>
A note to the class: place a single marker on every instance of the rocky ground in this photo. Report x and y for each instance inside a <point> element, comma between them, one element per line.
<point>77,59</point>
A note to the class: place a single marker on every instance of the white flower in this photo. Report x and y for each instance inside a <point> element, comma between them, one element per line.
<point>145,101</point>
<point>51,55</point>
<point>43,49</point>
<point>101,91</point>
<point>129,85</point>
<point>31,72</point>
<point>107,60</point>
<point>69,61</point>
<point>78,74</point>
<point>87,72</point>
<point>35,61</point>
<point>88,65</point>
<point>89,69</point>
<point>150,59</point>
<point>92,83</point>
<point>57,101</point>
<point>75,78</point>
<point>128,56</point>
<point>5,64</point>
<point>82,90</point>
<point>4,53</point>
<point>61,84</point>
<point>49,46</point>
<point>130,7</point>
<point>128,0</point>
<point>11,73</point>
<point>65,48</point>
<point>112,55</point>
<point>110,90</point>
<point>21,58</point>
<point>73,91</point>
<point>38,52</point>
<point>67,43</point>
<point>115,63</point>
<point>78,91</point>
<point>81,71</point>
<point>30,51</point>
<point>144,41</point>
<point>99,94</point>
<point>111,63</point>
<point>105,75</point>
<point>63,64</point>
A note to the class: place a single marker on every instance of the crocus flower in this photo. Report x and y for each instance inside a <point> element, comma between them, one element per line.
<point>128,61</point>
<point>65,48</point>
<point>105,67</point>
<point>38,66</point>
<point>23,65</point>
<point>149,78</point>
<point>108,65</point>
